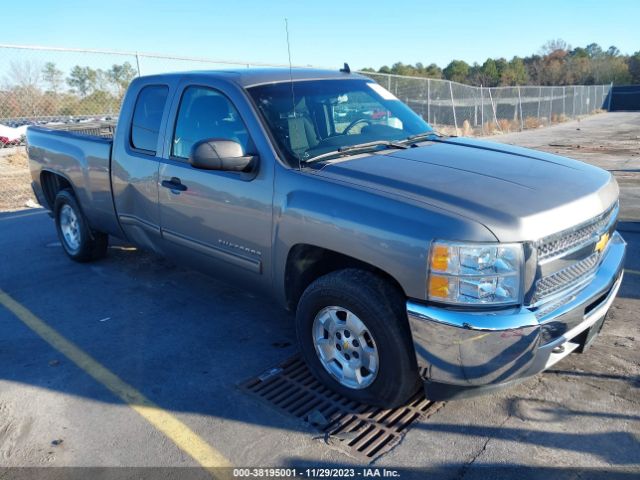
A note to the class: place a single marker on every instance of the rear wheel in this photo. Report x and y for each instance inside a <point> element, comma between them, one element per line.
<point>354,335</point>
<point>78,240</point>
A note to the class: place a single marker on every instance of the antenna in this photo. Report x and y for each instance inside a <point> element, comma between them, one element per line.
<point>293,95</point>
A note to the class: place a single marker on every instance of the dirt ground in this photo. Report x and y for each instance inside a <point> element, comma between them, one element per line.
<point>15,180</point>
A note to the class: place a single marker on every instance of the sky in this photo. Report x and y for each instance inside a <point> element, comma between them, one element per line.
<point>326,33</point>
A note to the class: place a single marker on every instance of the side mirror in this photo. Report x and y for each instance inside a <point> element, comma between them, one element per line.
<point>225,155</point>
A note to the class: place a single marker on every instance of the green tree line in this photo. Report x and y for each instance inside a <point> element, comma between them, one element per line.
<point>86,80</point>
<point>35,90</point>
<point>557,63</point>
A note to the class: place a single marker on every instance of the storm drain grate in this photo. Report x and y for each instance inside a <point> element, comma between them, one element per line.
<point>362,431</point>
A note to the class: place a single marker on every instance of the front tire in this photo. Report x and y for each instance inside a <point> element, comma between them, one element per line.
<point>80,243</point>
<point>354,336</point>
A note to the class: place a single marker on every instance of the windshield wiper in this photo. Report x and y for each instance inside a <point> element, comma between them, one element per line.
<point>411,139</point>
<point>357,148</point>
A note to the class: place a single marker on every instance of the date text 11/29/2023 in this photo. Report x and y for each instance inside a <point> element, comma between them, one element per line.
<point>324,472</point>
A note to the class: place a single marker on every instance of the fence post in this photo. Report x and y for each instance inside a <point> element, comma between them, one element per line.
<point>610,96</point>
<point>573,115</point>
<point>453,107</point>
<point>564,97</point>
<point>482,109</point>
<point>539,100</point>
<point>589,100</point>
<point>495,117</point>
<point>551,106</point>
<point>428,100</point>
<point>520,103</point>
<point>138,63</point>
<point>475,111</point>
<point>586,103</point>
<point>580,101</point>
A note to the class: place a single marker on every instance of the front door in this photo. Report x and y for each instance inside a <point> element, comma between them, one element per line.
<point>214,220</point>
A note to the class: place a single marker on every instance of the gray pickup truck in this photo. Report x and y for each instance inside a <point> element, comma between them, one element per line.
<point>410,258</point>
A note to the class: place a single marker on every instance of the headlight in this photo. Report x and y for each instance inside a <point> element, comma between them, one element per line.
<point>475,273</point>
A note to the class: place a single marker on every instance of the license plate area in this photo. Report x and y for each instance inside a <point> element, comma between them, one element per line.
<point>587,337</point>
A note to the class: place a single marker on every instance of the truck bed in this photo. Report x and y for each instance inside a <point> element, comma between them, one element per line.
<point>81,154</point>
<point>102,129</point>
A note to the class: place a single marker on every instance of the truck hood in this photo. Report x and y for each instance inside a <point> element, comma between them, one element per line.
<point>517,193</point>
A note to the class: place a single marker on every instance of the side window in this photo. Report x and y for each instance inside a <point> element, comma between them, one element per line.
<point>147,115</point>
<point>205,113</point>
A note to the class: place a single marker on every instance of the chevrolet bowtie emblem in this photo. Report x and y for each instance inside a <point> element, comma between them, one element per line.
<point>602,242</point>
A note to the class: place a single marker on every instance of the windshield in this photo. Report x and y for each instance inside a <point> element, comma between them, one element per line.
<point>332,114</point>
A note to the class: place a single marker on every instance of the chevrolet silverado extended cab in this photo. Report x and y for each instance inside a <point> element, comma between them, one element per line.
<point>411,259</point>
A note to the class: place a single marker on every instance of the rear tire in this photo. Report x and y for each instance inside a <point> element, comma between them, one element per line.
<point>357,311</point>
<point>79,242</point>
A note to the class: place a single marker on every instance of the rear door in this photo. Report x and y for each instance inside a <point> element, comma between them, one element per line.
<point>216,221</point>
<point>134,165</point>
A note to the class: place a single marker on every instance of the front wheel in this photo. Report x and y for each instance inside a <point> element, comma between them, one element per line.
<point>78,240</point>
<point>355,338</point>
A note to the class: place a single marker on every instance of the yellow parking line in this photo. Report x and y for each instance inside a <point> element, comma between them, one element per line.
<point>180,434</point>
<point>632,272</point>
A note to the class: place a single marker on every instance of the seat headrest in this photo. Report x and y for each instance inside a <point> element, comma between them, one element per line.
<point>213,107</point>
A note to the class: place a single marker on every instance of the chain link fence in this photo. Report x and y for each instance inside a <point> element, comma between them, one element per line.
<point>473,111</point>
<point>42,85</point>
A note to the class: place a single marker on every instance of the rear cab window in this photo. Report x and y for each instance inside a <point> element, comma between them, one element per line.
<point>147,117</point>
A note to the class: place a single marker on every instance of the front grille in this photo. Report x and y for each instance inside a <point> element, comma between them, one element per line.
<point>567,278</point>
<point>557,248</point>
<point>561,243</point>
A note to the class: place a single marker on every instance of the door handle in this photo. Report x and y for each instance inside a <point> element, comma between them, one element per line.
<point>174,184</point>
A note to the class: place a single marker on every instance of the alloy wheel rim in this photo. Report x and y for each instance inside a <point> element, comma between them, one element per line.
<point>70,228</point>
<point>345,347</point>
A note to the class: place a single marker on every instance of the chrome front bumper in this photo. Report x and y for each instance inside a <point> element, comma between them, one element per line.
<point>476,349</point>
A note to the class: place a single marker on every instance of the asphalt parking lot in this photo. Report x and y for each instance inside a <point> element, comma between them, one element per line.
<point>182,342</point>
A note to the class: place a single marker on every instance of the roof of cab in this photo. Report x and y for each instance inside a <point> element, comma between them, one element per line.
<point>259,76</point>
